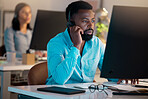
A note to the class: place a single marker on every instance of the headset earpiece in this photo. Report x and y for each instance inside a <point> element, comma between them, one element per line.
<point>70,23</point>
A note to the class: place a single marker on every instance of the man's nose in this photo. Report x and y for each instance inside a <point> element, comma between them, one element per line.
<point>90,24</point>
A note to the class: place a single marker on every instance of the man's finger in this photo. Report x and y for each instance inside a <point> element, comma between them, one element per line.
<point>94,80</point>
<point>131,81</point>
<point>126,81</point>
<point>137,81</point>
<point>119,81</point>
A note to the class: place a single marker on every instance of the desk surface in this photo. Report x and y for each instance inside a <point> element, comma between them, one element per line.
<point>5,73</point>
<point>32,91</point>
<point>15,67</point>
<point>19,66</point>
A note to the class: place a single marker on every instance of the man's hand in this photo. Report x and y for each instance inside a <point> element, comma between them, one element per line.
<point>94,80</point>
<point>39,53</point>
<point>133,81</point>
<point>75,34</point>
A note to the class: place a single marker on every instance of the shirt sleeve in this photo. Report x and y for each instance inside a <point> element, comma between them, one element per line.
<point>9,40</point>
<point>61,67</point>
<point>102,50</point>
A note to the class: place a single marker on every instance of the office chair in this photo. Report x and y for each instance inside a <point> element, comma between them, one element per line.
<point>38,74</point>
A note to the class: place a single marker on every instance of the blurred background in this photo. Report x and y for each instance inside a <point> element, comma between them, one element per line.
<point>103,10</point>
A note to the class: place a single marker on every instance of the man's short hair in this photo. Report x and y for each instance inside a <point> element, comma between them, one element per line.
<point>74,7</point>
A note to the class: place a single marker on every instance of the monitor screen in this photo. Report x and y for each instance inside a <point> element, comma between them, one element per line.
<point>126,53</point>
<point>47,25</point>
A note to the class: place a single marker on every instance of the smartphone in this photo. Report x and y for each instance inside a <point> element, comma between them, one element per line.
<point>70,23</point>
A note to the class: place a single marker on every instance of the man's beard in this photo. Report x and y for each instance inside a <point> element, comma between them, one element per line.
<point>86,36</point>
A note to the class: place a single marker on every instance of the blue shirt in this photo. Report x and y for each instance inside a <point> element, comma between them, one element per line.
<point>16,41</point>
<point>66,65</point>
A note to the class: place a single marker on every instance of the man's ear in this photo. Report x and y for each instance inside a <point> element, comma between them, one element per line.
<point>70,23</point>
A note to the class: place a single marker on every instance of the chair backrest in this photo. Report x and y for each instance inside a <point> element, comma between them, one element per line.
<point>38,74</point>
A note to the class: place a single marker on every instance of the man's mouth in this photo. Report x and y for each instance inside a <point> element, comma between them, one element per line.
<point>89,32</point>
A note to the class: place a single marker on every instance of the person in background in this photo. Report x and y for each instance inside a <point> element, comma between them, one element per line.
<point>74,55</point>
<point>17,38</point>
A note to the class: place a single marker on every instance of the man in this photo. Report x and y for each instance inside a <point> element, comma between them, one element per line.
<point>74,55</point>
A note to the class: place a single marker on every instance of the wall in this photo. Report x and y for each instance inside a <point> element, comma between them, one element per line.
<point>56,5</point>
<point>108,4</point>
<point>0,23</point>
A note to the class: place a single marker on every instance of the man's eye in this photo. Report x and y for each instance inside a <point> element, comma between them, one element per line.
<point>85,21</point>
<point>93,21</point>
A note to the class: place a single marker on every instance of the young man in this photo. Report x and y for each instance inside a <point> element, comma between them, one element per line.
<point>74,55</point>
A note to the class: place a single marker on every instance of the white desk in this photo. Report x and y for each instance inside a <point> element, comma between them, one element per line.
<point>5,72</point>
<point>32,91</point>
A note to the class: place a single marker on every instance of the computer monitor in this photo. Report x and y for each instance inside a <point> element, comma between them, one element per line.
<point>126,53</point>
<point>47,25</point>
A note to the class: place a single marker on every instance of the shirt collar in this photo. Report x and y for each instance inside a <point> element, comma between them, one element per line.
<point>67,38</point>
<point>19,32</point>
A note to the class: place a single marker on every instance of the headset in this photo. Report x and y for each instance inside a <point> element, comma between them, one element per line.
<point>70,23</point>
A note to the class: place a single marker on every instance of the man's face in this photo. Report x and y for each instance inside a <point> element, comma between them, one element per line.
<point>85,19</point>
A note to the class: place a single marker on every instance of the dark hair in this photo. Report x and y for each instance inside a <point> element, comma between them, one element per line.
<point>16,24</point>
<point>74,7</point>
<point>15,21</point>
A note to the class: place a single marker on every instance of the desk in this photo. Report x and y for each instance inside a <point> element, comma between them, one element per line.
<point>5,73</point>
<point>32,91</point>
